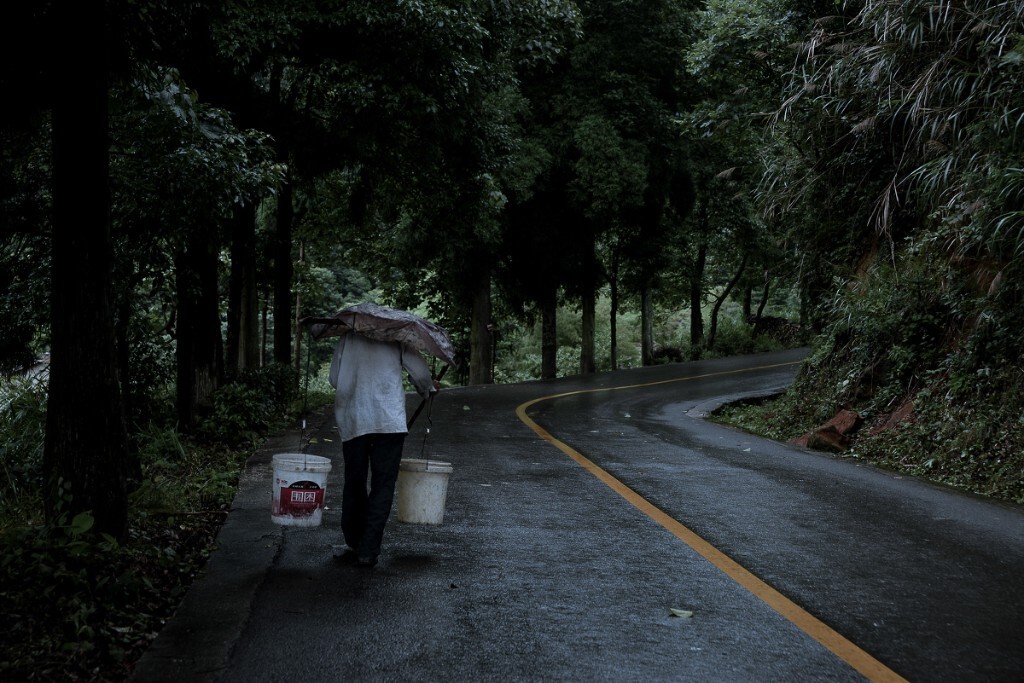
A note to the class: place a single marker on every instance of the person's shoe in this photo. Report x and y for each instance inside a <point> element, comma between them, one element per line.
<point>367,562</point>
<point>348,555</point>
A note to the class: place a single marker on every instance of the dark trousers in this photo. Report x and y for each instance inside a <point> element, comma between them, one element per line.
<point>365,514</point>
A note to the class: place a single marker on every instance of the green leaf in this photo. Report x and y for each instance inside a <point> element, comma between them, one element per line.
<point>82,522</point>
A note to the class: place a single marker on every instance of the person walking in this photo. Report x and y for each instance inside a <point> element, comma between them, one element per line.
<point>369,409</point>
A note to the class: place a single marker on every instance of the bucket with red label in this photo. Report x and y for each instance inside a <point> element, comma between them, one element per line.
<point>300,482</point>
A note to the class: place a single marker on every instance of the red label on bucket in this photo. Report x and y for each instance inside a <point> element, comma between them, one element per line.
<point>301,498</point>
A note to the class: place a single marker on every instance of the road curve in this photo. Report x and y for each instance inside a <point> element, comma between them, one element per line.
<point>597,528</point>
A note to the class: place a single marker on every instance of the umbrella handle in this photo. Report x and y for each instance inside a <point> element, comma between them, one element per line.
<point>424,401</point>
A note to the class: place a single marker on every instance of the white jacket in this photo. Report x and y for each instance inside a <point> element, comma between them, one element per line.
<point>367,376</point>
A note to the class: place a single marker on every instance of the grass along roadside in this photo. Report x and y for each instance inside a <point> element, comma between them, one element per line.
<point>975,445</point>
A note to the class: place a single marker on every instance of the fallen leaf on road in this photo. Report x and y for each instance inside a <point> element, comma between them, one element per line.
<point>684,613</point>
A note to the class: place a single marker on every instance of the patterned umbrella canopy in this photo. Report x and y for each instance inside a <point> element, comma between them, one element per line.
<point>387,324</point>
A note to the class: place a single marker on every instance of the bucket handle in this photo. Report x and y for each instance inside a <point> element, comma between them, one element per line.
<point>430,408</point>
<point>430,423</point>
<point>419,408</point>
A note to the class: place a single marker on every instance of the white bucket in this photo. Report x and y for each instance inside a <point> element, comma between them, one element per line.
<point>422,490</point>
<point>300,482</point>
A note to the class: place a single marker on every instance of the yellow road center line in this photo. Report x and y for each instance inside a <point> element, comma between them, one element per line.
<point>847,651</point>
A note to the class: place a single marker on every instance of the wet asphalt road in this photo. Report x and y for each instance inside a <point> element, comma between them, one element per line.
<point>542,571</point>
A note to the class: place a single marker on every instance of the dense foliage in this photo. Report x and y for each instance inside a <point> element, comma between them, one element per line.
<point>82,606</point>
<point>912,114</point>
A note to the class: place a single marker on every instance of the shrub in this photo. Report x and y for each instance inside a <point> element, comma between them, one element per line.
<point>245,410</point>
<point>735,337</point>
<point>22,426</point>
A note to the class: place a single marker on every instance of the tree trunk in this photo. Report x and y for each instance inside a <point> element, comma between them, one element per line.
<point>199,344</point>
<point>760,307</point>
<point>480,335</point>
<point>264,315</point>
<point>123,341</point>
<point>85,450</point>
<point>646,326</point>
<point>243,351</point>
<point>283,277</point>
<point>297,362</point>
<point>696,296</point>
<point>613,317</point>
<point>549,336</point>
<point>588,363</point>
<point>713,330</point>
<point>123,345</point>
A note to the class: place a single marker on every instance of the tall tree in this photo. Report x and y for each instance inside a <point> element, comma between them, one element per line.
<point>86,449</point>
<point>627,84</point>
<point>242,349</point>
<point>283,270</point>
<point>740,66</point>
<point>180,170</point>
<point>199,345</point>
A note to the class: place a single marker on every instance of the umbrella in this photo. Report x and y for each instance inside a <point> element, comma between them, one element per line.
<point>387,324</point>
